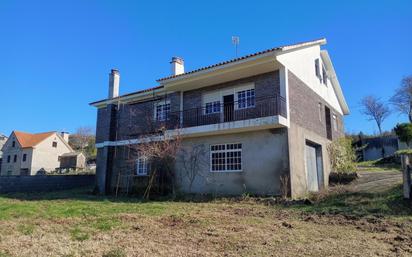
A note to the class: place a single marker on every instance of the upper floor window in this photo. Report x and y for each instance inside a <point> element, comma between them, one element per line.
<point>226,157</point>
<point>54,144</point>
<point>162,111</point>
<point>335,122</point>
<point>320,111</point>
<point>317,69</point>
<point>142,166</point>
<point>212,107</point>
<point>13,144</point>
<point>246,98</point>
<point>24,157</point>
<point>15,158</point>
<point>324,76</point>
<point>8,159</point>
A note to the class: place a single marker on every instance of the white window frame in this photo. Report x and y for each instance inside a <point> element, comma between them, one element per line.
<point>213,106</point>
<point>162,103</point>
<point>143,162</point>
<point>226,150</point>
<point>246,91</point>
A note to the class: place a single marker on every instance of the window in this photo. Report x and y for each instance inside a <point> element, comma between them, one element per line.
<point>142,166</point>
<point>317,68</point>
<point>320,111</point>
<point>15,158</point>
<point>8,159</point>
<point>13,144</point>
<point>226,157</point>
<point>54,144</point>
<point>213,107</point>
<point>324,76</point>
<point>335,122</point>
<point>162,111</point>
<point>246,98</point>
<point>24,157</point>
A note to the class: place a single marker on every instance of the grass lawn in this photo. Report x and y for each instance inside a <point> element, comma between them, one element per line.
<point>377,166</point>
<point>75,223</point>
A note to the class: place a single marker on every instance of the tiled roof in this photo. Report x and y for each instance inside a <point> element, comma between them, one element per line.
<point>30,140</point>
<point>129,94</point>
<point>240,58</point>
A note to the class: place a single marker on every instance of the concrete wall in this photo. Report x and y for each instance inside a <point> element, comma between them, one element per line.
<point>264,161</point>
<point>12,184</point>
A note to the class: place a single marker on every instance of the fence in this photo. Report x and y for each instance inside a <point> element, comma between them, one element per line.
<point>43,183</point>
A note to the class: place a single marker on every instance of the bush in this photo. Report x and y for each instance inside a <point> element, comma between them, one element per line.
<point>404,132</point>
<point>342,156</point>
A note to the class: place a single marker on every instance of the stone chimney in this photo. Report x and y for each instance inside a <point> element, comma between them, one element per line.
<point>114,80</point>
<point>65,136</point>
<point>178,66</point>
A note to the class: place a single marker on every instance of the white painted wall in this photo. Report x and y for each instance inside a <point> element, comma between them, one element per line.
<point>302,64</point>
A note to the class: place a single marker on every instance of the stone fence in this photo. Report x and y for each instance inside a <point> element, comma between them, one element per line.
<point>44,183</point>
<point>406,168</point>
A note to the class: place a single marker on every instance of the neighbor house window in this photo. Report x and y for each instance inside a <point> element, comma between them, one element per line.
<point>335,122</point>
<point>213,107</point>
<point>162,111</point>
<point>24,157</point>
<point>13,144</point>
<point>15,158</point>
<point>142,166</point>
<point>54,144</point>
<point>8,159</point>
<point>246,98</point>
<point>226,157</point>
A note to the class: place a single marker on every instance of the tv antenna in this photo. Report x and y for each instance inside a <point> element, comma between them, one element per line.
<point>235,41</point>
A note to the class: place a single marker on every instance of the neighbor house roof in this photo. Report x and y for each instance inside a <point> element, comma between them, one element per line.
<point>30,140</point>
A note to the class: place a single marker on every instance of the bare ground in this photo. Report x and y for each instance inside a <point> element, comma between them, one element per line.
<point>226,227</point>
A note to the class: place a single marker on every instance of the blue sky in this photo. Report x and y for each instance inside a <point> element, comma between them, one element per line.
<point>56,55</point>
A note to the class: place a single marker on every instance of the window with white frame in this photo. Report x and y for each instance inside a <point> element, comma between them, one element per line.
<point>246,98</point>
<point>212,107</point>
<point>162,111</point>
<point>320,111</point>
<point>335,122</point>
<point>226,157</point>
<point>142,166</point>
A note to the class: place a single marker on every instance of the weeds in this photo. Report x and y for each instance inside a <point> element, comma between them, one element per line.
<point>78,234</point>
<point>25,229</point>
<point>115,253</point>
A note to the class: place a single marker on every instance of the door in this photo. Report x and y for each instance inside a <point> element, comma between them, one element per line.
<point>228,107</point>
<point>312,168</point>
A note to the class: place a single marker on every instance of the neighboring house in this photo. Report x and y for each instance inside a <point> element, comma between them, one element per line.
<point>261,117</point>
<point>3,140</point>
<point>30,154</point>
<point>74,160</point>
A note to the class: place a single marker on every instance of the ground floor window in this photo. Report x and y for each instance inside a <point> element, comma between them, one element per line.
<point>226,157</point>
<point>142,166</point>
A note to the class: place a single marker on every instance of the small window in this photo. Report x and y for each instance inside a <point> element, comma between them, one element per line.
<point>8,159</point>
<point>320,111</point>
<point>246,98</point>
<point>213,107</point>
<point>24,157</point>
<point>54,144</point>
<point>142,166</point>
<point>13,144</point>
<point>162,111</point>
<point>15,158</point>
<point>335,122</point>
<point>226,157</point>
<point>317,69</point>
<point>324,76</point>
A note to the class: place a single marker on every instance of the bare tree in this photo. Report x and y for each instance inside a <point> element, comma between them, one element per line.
<point>83,140</point>
<point>374,109</point>
<point>402,99</point>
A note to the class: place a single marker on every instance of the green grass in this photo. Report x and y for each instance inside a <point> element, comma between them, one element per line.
<point>376,166</point>
<point>26,229</point>
<point>79,234</point>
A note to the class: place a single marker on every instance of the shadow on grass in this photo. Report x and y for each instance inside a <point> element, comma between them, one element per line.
<point>386,203</point>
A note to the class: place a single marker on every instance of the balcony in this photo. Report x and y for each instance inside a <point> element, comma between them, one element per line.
<point>266,112</point>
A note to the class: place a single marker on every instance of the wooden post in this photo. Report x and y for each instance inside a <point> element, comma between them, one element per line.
<point>406,168</point>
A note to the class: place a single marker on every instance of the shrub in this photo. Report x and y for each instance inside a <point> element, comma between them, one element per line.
<point>404,132</point>
<point>342,156</point>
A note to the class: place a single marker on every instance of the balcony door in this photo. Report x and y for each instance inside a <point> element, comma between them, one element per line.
<point>228,107</point>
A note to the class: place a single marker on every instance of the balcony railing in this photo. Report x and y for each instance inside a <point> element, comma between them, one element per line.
<point>227,112</point>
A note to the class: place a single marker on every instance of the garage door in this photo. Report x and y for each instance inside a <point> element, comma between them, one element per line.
<point>312,168</point>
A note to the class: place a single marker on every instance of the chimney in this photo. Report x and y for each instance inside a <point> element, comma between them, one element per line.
<point>114,79</point>
<point>178,66</point>
<point>65,136</point>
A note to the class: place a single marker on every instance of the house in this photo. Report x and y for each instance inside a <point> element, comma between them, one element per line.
<point>73,160</point>
<point>31,154</point>
<point>3,140</point>
<point>264,119</point>
<point>370,148</point>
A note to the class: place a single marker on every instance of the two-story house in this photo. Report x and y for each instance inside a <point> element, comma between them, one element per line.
<point>261,117</point>
<point>31,154</point>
